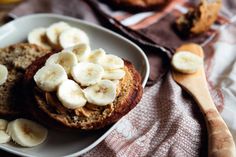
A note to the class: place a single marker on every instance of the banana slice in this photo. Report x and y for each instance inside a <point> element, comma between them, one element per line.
<point>81,51</point>
<point>114,74</point>
<point>38,36</point>
<point>102,93</point>
<point>53,32</point>
<point>3,124</point>
<point>87,73</point>
<point>72,37</point>
<point>186,62</point>
<point>111,62</point>
<point>49,77</point>
<point>26,132</point>
<point>71,95</point>
<point>96,55</point>
<point>116,82</point>
<point>3,74</point>
<point>66,59</point>
<point>4,137</point>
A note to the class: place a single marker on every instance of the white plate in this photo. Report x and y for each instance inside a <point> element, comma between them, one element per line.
<point>61,143</point>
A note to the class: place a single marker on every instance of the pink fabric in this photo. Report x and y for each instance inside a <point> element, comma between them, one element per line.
<point>167,122</point>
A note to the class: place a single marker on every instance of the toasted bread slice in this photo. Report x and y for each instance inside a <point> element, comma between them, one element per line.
<point>16,58</point>
<point>47,108</point>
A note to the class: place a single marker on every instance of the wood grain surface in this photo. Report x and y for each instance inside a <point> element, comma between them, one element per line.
<point>220,140</point>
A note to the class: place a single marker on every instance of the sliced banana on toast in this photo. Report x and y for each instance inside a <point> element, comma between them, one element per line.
<point>93,70</point>
<point>96,55</point>
<point>113,74</point>
<point>81,51</point>
<point>102,93</point>
<point>26,132</point>
<point>186,62</point>
<point>71,95</point>
<point>3,74</point>
<point>38,36</point>
<point>49,77</point>
<point>87,73</point>
<point>110,61</point>
<point>54,31</point>
<point>72,37</point>
<point>66,59</point>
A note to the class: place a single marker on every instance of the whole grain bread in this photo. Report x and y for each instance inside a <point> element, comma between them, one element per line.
<point>47,109</point>
<point>16,58</point>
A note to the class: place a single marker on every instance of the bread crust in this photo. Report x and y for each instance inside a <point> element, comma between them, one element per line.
<point>41,110</point>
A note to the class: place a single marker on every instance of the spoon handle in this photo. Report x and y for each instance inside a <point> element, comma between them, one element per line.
<point>220,140</point>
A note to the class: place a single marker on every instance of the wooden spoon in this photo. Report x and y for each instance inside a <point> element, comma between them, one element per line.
<point>220,140</point>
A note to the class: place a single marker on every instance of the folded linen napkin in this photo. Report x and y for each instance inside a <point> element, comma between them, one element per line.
<point>167,122</point>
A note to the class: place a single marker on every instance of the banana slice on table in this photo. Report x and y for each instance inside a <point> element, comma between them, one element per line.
<point>111,62</point>
<point>38,36</point>
<point>81,51</point>
<point>4,137</point>
<point>49,77</point>
<point>186,62</point>
<point>102,93</point>
<point>53,32</point>
<point>26,132</point>
<point>3,124</point>
<point>72,37</point>
<point>71,95</point>
<point>96,55</point>
<point>87,73</point>
<point>66,59</point>
<point>3,74</point>
<point>113,74</point>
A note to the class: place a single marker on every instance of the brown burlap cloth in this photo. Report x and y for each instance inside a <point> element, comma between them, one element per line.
<point>167,122</point>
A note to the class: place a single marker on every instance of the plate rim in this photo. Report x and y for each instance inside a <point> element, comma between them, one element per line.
<point>63,17</point>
